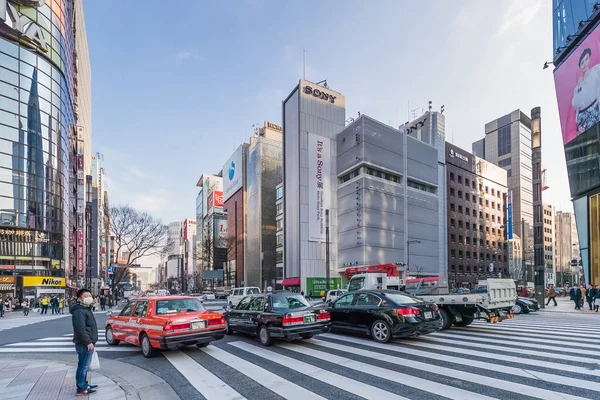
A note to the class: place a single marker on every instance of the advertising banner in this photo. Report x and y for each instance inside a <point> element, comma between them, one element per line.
<point>314,286</point>
<point>80,258</point>
<point>233,171</point>
<point>220,233</point>
<point>319,185</point>
<point>509,218</point>
<point>43,281</point>
<point>577,83</point>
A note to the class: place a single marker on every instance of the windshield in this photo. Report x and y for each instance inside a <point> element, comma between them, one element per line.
<point>252,291</point>
<point>282,302</point>
<point>402,298</point>
<point>356,284</point>
<point>179,305</point>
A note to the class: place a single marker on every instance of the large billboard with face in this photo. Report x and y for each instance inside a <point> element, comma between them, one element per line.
<point>233,171</point>
<point>577,83</point>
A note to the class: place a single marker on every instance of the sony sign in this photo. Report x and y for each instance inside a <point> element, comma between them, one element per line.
<point>21,26</point>
<point>319,93</point>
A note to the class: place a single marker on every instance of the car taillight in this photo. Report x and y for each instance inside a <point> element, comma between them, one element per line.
<point>216,321</point>
<point>291,320</point>
<point>176,327</point>
<point>408,311</point>
<point>323,316</point>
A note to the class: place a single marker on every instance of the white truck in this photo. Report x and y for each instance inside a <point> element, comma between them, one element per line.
<point>456,309</point>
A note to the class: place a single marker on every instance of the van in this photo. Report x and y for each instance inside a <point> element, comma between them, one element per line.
<point>238,294</point>
<point>332,295</point>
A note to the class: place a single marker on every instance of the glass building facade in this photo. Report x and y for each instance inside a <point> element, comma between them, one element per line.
<point>37,92</point>
<point>569,19</point>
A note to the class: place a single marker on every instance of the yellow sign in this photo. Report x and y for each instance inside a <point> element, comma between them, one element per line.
<point>43,281</point>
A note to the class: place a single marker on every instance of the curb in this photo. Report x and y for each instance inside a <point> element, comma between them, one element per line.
<point>136,382</point>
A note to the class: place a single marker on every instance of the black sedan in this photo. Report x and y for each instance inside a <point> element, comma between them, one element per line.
<point>525,305</point>
<point>384,314</point>
<point>283,315</point>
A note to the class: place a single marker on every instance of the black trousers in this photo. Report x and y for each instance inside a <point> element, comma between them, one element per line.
<point>553,299</point>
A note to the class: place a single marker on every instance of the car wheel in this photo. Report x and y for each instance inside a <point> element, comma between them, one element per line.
<point>466,321</point>
<point>264,336</point>
<point>306,336</point>
<point>518,309</point>
<point>228,329</point>
<point>147,350</point>
<point>380,331</point>
<point>201,345</point>
<point>110,339</point>
<point>447,319</point>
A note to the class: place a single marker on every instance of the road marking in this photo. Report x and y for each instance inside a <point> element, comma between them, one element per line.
<point>267,379</point>
<point>403,379</point>
<point>449,372</point>
<point>356,387</point>
<point>208,384</point>
<point>546,327</point>
<point>521,338</point>
<point>63,338</point>
<point>581,337</point>
<point>60,349</point>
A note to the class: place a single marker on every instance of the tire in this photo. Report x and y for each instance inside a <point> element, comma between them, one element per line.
<point>110,339</point>
<point>518,309</point>
<point>230,305</point>
<point>264,336</point>
<point>381,331</point>
<point>202,345</point>
<point>447,319</point>
<point>307,336</point>
<point>466,321</point>
<point>228,330</point>
<point>147,350</point>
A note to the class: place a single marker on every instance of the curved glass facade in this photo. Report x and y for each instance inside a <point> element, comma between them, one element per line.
<point>566,17</point>
<point>36,111</point>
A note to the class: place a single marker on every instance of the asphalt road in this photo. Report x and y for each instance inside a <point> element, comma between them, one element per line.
<point>543,356</point>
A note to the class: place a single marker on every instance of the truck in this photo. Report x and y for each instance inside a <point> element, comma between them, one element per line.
<point>455,309</point>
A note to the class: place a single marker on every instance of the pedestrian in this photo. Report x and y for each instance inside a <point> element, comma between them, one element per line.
<point>577,298</point>
<point>45,302</point>
<point>54,305</point>
<point>551,295</point>
<point>591,296</point>
<point>572,293</point>
<point>61,305</point>
<point>102,302</point>
<point>597,298</point>
<point>583,294</point>
<point>1,307</point>
<point>25,304</point>
<point>85,336</point>
<point>8,304</point>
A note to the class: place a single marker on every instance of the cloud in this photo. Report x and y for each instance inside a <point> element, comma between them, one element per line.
<point>149,203</point>
<point>138,173</point>
<point>519,15</point>
<point>186,55</point>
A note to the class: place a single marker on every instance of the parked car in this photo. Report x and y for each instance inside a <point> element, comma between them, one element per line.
<point>221,295</point>
<point>208,295</point>
<point>164,323</point>
<point>283,315</point>
<point>384,314</point>
<point>525,305</point>
<point>239,293</point>
<point>332,295</point>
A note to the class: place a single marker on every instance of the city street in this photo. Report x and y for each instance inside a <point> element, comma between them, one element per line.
<point>544,355</point>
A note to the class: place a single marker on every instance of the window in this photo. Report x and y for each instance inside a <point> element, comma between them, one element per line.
<point>451,176</point>
<point>480,215</point>
<point>279,193</point>
<point>480,201</point>
<point>460,224</point>
<point>460,254</point>
<point>474,199</point>
<point>279,224</point>
<point>460,194</point>
<point>498,206</point>
<point>468,240</point>
<point>452,207</point>
<point>126,312</point>
<point>452,222</point>
<point>257,304</point>
<point>460,209</point>
<point>474,256</point>
<point>279,208</point>
<point>473,184</point>
<point>480,187</point>
<point>487,216</point>
<point>505,162</point>
<point>487,190</point>
<point>177,306</point>
<point>344,301</point>
<point>140,309</point>
<point>422,186</point>
<point>466,182</point>
<point>366,299</point>
<point>452,237</point>
<point>493,205</point>
<point>459,179</point>
<point>453,253</point>
<point>474,213</point>
<point>493,192</point>
<point>504,141</point>
<point>467,225</point>
<point>467,211</point>
<point>468,254</point>
<point>460,239</point>
<point>279,240</point>
<point>451,191</point>
<point>509,172</point>
<point>487,203</point>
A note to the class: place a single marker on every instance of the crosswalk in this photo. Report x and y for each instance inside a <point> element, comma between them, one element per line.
<point>539,356</point>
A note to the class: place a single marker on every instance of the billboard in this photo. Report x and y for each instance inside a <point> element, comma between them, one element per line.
<point>220,237</point>
<point>509,218</point>
<point>577,83</point>
<point>319,185</point>
<point>210,184</point>
<point>233,171</point>
<point>215,202</point>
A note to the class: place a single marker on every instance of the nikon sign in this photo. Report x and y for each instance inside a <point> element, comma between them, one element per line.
<point>21,27</point>
<point>45,281</point>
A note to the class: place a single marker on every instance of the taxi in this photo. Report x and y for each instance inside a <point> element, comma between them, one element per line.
<point>166,322</point>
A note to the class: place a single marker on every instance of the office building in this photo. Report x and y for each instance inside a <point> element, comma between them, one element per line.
<point>576,35</point>
<point>38,84</point>
<point>279,266</point>
<point>549,268</point>
<point>507,143</point>
<point>566,249</point>
<point>264,173</point>
<point>476,197</point>
<point>312,117</point>
<point>234,197</point>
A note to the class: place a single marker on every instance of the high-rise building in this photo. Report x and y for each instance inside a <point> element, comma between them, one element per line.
<point>507,143</point>
<point>264,173</point>
<point>312,117</point>
<point>39,53</point>
<point>280,242</point>
<point>549,267</point>
<point>576,37</point>
<point>477,196</point>
<point>566,249</point>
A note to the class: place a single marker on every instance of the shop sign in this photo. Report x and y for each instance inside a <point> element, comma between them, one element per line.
<point>273,126</point>
<point>21,26</point>
<point>43,281</point>
<point>6,267</point>
<point>318,285</point>
<point>50,291</point>
<point>30,267</point>
<point>7,279</point>
<point>320,94</point>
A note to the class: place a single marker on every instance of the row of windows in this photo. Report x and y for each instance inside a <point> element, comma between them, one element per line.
<point>421,186</point>
<point>473,185</point>
<point>467,255</point>
<point>371,172</point>
<point>474,199</point>
<point>467,240</point>
<point>505,162</point>
<point>279,193</point>
<point>476,268</point>
<point>504,145</point>
<point>467,225</point>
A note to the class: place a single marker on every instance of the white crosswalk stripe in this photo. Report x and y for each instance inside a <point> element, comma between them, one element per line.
<point>62,344</point>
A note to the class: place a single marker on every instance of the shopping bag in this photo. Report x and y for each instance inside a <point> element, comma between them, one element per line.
<point>95,364</point>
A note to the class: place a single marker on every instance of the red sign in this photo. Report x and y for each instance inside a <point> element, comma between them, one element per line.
<point>80,161</point>
<point>104,250</point>
<point>389,269</point>
<point>218,198</point>
<point>7,267</point>
<point>80,258</point>
<point>79,236</point>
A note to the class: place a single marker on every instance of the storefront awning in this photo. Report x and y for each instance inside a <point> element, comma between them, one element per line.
<point>291,282</point>
<point>7,287</point>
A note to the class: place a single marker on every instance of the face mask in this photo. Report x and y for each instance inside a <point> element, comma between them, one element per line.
<point>87,301</point>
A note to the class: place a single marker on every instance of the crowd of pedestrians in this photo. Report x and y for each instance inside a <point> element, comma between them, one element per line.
<point>590,295</point>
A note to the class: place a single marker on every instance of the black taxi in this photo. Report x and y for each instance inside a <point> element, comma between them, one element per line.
<point>283,315</point>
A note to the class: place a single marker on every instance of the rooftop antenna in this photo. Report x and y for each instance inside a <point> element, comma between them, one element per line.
<point>430,106</point>
<point>324,82</point>
<point>304,64</point>
<point>414,113</point>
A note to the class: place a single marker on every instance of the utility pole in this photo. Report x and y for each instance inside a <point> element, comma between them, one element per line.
<point>327,249</point>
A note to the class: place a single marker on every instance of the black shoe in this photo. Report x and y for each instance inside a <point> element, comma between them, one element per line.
<point>85,392</point>
<point>92,387</point>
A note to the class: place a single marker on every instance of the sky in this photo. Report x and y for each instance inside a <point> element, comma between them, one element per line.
<point>177,85</point>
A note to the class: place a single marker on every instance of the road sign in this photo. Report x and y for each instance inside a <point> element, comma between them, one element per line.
<point>111,269</point>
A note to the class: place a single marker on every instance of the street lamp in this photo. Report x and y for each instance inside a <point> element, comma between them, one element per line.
<point>408,243</point>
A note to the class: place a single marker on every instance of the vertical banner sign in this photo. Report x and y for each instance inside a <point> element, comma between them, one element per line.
<point>80,213</point>
<point>509,216</point>
<point>319,187</point>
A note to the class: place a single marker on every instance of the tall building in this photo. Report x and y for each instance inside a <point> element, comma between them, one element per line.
<point>566,249</point>
<point>477,196</point>
<point>507,143</point>
<point>387,198</point>
<point>39,89</point>
<point>264,173</point>
<point>576,37</point>
<point>549,267</point>
<point>312,117</point>
<point>280,241</point>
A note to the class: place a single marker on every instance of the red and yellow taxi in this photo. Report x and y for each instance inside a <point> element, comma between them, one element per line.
<point>164,323</point>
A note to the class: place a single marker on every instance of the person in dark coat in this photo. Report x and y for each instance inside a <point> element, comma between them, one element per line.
<point>577,298</point>
<point>591,296</point>
<point>85,336</point>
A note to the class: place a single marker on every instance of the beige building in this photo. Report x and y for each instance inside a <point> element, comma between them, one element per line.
<point>549,264</point>
<point>566,249</point>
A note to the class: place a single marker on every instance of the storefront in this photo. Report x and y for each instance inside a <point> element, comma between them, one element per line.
<point>35,287</point>
<point>7,286</point>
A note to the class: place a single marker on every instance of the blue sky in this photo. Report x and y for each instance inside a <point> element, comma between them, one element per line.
<point>177,85</point>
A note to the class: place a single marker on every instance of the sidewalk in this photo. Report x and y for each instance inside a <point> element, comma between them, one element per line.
<point>39,379</point>
<point>565,305</point>
<point>15,319</point>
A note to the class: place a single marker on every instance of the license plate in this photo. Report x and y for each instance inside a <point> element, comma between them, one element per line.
<point>309,319</point>
<point>198,325</point>
<point>428,315</point>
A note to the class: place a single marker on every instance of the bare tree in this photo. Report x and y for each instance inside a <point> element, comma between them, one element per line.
<point>137,233</point>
